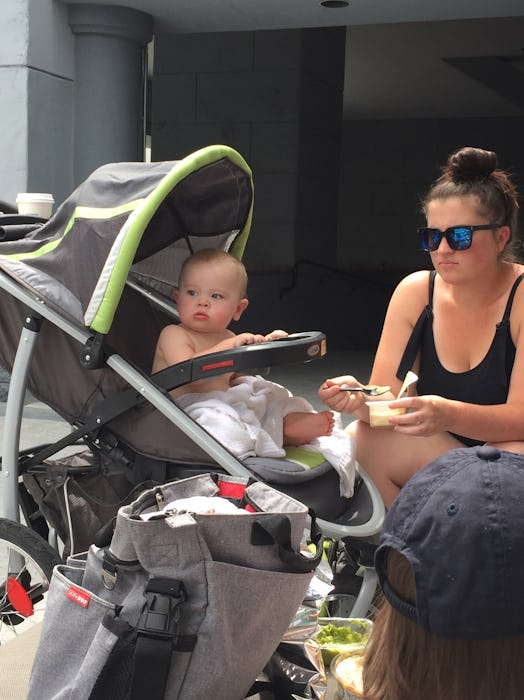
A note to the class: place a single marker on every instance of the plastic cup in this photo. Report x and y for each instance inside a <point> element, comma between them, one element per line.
<point>35,204</point>
<point>379,413</point>
<point>346,668</point>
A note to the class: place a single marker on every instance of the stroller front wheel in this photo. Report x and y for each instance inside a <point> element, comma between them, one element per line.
<point>26,565</point>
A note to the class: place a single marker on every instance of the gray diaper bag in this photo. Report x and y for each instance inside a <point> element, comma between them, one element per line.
<point>181,605</point>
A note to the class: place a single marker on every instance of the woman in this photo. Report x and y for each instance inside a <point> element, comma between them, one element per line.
<point>458,328</point>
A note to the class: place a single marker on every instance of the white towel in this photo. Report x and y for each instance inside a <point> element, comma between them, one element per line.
<point>248,420</point>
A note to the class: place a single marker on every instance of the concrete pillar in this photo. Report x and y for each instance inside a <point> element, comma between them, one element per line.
<point>109,84</point>
<point>36,93</point>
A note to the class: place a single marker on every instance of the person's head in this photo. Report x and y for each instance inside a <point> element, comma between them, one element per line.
<point>451,567</point>
<point>472,179</point>
<point>211,290</point>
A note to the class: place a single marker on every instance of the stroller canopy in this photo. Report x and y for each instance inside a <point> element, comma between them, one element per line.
<point>143,218</point>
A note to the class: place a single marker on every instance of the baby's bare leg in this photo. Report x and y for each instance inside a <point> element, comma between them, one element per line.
<point>301,428</point>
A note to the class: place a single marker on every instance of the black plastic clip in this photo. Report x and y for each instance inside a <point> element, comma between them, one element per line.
<point>157,637</point>
<point>161,614</point>
<point>93,352</point>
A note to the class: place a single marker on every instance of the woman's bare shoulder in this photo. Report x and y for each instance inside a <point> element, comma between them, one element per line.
<point>518,300</point>
<point>412,290</point>
<point>418,280</point>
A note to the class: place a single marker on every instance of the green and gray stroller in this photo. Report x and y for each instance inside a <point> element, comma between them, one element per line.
<point>83,298</point>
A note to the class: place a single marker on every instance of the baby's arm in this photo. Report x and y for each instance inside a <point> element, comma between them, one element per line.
<point>175,344</point>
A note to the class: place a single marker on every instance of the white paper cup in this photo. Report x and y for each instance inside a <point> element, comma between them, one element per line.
<point>379,413</point>
<point>35,204</point>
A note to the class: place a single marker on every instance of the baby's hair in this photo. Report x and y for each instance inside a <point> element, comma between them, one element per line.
<point>474,171</point>
<point>215,256</point>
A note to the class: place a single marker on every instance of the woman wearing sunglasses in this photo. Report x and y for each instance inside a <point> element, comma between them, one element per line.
<point>460,328</point>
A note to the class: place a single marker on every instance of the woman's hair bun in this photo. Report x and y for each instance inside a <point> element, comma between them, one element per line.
<point>470,164</point>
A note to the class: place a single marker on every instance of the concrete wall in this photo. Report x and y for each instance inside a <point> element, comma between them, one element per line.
<point>36,63</point>
<point>387,166</point>
<point>276,97</point>
<point>326,246</point>
<point>316,261</point>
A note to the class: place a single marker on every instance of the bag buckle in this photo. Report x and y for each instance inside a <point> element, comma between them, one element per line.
<point>161,614</point>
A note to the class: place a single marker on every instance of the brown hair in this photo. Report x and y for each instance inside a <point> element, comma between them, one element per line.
<point>473,171</point>
<point>403,662</point>
<point>213,256</point>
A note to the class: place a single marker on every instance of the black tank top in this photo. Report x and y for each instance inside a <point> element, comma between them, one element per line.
<point>486,384</point>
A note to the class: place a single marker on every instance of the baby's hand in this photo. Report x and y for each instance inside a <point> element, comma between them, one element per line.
<point>274,335</point>
<point>247,339</point>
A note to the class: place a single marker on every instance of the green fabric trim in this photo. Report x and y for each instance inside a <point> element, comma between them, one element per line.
<point>304,457</point>
<point>104,316</point>
<point>78,213</point>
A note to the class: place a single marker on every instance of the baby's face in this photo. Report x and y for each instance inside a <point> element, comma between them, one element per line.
<point>209,297</point>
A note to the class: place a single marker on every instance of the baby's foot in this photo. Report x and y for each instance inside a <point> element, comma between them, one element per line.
<point>301,428</point>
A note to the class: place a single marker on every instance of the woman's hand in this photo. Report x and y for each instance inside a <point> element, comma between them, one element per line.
<point>341,401</point>
<point>425,415</point>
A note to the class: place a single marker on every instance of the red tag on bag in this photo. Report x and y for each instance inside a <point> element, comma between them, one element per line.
<point>78,596</point>
<point>230,489</point>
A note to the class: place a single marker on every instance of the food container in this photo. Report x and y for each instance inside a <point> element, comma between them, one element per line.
<point>339,635</point>
<point>379,413</point>
<point>346,669</point>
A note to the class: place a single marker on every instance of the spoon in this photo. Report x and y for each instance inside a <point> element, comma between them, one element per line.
<point>409,379</point>
<point>367,390</point>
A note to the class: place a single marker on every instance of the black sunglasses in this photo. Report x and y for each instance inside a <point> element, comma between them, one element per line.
<point>457,237</point>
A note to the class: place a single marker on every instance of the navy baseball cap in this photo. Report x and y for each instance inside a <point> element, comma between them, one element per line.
<point>460,523</point>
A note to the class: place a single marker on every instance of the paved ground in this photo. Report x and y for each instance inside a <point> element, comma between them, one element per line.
<point>4,382</point>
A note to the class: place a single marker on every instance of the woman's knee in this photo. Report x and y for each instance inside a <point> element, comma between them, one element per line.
<point>510,446</point>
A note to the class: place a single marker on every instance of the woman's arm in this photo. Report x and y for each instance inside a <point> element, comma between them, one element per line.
<point>405,306</point>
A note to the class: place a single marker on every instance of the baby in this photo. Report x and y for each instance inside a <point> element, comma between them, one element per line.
<point>249,415</point>
<point>211,293</point>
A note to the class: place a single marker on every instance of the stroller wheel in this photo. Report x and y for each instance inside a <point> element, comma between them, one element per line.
<point>26,565</point>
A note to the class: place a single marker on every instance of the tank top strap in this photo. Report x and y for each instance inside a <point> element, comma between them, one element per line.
<point>415,339</point>
<point>516,283</point>
<point>432,276</point>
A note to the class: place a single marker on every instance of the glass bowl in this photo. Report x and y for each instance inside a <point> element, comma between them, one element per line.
<point>338,635</point>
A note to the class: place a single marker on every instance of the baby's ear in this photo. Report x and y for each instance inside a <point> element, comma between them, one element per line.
<point>242,306</point>
<point>176,293</point>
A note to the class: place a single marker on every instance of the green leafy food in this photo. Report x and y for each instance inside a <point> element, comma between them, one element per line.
<point>338,634</point>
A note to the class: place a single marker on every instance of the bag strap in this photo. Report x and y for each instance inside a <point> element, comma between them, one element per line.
<point>276,529</point>
<point>157,637</point>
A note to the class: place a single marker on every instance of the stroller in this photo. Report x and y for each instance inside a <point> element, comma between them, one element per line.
<point>73,292</point>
